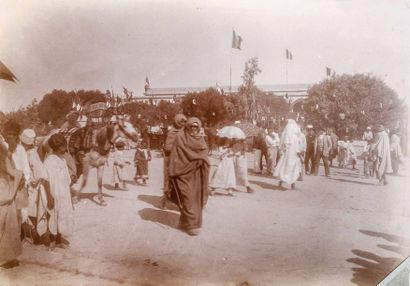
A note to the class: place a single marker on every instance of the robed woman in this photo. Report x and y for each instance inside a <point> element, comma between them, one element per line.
<point>383,161</point>
<point>10,182</point>
<point>290,164</point>
<point>188,172</point>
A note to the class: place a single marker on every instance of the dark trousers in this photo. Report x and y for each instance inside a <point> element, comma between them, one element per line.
<point>319,155</point>
<point>264,154</point>
<point>309,161</point>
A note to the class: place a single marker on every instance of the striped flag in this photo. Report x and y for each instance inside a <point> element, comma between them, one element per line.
<point>6,74</point>
<point>236,41</point>
<point>330,72</point>
<point>289,55</point>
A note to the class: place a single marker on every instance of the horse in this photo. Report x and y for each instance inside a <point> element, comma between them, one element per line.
<point>80,159</point>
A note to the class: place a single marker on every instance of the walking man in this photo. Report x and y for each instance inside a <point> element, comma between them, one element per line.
<point>310,149</point>
<point>323,147</point>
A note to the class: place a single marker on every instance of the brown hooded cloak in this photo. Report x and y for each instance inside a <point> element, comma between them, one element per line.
<point>188,170</point>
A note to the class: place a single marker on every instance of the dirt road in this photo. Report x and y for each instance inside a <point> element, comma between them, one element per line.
<point>342,230</point>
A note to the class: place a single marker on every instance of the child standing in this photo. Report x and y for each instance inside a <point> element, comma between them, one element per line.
<point>141,159</point>
<point>118,166</point>
<point>224,176</point>
<point>241,165</point>
<point>57,182</point>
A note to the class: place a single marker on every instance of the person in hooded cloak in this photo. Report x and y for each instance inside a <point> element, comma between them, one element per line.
<point>290,164</point>
<point>188,172</point>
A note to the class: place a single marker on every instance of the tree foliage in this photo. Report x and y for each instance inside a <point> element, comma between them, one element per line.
<point>144,114</point>
<point>56,104</point>
<point>248,91</point>
<point>209,106</point>
<point>350,103</point>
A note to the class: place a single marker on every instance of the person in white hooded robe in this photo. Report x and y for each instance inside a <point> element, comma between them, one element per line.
<point>383,161</point>
<point>289,165</point>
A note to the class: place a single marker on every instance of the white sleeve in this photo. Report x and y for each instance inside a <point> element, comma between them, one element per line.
<point>269,140</point>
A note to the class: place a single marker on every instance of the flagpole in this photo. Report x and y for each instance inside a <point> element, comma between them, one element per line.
<point>230,67</point>
<point>286,71</point>
<point>230,72</point>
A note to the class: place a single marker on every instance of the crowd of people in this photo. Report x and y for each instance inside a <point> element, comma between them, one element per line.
<point>36,196</point>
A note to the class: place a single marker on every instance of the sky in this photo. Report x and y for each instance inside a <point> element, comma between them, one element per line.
<point>102,44</point>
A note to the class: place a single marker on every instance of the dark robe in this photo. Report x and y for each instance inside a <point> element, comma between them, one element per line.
<point>188,170</point>
<point>10,244</point>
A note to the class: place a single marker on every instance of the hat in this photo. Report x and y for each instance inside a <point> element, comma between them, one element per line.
<point>368,128</point>
<point>309,126</point>
<point>28,136</point>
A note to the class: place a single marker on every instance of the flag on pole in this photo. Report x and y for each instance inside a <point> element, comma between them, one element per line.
<point>289,55</point>
<point>236,41</point>
<point>6,74</point>
<point>328,71</point>
<point>147,86</point>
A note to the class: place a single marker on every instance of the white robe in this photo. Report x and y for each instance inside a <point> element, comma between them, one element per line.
<point>290,165</point>
<point>383,153</point>
<point>62,215</point>
<point>224,176</point>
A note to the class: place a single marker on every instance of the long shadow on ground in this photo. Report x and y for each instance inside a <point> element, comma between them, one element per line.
<point>91,196</point>
<point>351,181</point>
<point>112,188</point>
<point>162,217</point>
<point>156,202</point>
<point>374,268</point>
<point>267,186</point>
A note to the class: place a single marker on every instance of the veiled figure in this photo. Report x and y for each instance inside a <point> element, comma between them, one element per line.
<point>188,171</point>
<point>290,165</point>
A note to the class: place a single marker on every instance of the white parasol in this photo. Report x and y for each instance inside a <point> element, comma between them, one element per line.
<point>231,132</point>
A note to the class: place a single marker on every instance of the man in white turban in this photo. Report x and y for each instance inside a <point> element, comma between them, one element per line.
<point>37,199</point>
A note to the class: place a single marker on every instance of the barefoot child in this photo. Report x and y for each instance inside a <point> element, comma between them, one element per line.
<point>118,166</point>
<point>141,159</point>
<point>57,182</point>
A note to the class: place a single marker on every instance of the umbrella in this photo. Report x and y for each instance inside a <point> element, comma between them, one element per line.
<point>249,129</point>
<point>231,132</point>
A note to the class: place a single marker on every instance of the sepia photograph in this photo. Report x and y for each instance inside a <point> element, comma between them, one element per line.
<point>204,143</point>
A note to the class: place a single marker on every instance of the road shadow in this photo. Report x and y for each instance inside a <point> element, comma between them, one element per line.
<point>132,182</point>
<point>75,271</point>
<point>351,181</point>
<point>403,241</point>
<point>162,217</point>
<point>372,268</point>
<point>112,188</point>
<point>91,196</point>
<point>267,186</point>
<point>156,202</point>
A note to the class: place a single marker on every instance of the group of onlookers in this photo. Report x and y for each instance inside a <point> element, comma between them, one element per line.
<point>297,149</point>
<point>35,197</point>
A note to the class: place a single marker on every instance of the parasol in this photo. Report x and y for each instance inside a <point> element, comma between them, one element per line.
<point>231,132</point>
